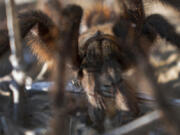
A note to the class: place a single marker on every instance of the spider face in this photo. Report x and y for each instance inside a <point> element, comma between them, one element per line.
<point>99,63</point>
<point>101,76</point>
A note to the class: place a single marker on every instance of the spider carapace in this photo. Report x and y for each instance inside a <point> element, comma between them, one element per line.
<point>101,74</point>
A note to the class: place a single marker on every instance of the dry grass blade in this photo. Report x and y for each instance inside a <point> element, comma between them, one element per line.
<point>62,104</point>
<point>137,126</point>
<point>17,61</point>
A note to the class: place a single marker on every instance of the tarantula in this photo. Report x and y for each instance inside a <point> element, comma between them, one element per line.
<point>100,55</point>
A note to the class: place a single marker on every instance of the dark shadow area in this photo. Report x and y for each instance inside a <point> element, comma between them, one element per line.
<point>4,97</point>
<point>21,7</point>
<point>173,3</point>
<point>172,88</point>
<point>2,11</point>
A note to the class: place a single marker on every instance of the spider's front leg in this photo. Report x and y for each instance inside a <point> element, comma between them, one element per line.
<point>57,42</point>
<point>41,25</point>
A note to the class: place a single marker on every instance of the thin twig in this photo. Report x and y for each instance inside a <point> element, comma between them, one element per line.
<point>137,125</point>
<point>17,62</point>
<point>68,30</point>
<point>8,127</point>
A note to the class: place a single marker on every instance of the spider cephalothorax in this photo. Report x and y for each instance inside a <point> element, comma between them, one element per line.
<point>101,76</point>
